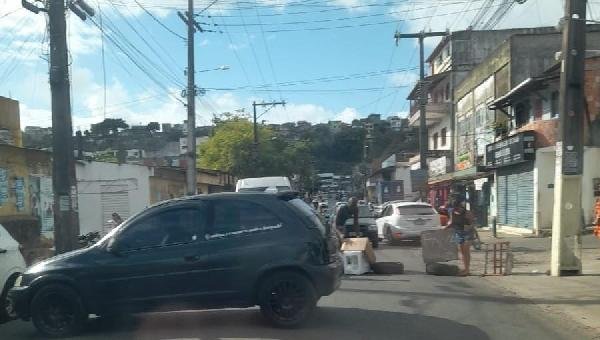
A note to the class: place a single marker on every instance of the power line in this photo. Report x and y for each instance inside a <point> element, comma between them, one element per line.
<point>158,21</point>
<point>262,31</point>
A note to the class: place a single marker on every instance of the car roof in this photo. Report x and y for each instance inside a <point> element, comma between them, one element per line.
<point>285,195</point>
<point>404,204</point>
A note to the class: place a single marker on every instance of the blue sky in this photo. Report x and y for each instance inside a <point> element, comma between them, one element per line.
<point>328,59</point>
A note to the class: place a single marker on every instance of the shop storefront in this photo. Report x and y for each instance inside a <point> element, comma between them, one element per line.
<point>513,159</point>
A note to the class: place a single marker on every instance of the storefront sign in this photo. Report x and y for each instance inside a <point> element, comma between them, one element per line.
<point>438,166</point>
<point>512,150</point>
<point>418,180</point>
<point>3,186</point>
<point>20,193</point>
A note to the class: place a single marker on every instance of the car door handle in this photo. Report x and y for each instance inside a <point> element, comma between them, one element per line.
<point>191,258</point>
<point>2,251</point>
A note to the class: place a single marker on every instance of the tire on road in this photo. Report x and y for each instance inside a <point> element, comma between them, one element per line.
<point>388,267</point>
<point>287,299</point>
<point>57,311</point>
<point>5,311</point>
<point>441,269</point>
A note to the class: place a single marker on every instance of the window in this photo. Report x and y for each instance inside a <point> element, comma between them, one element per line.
<point>521,114</point>
<point>167,227</point>
<point>415,210</point>
<point>447,91</point>
<point>233,218</point>
<point>444,131</point>
<point>554,104</point>
<point>435,141</point>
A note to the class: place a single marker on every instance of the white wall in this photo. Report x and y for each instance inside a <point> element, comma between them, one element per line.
<point>437,128</point>
<point>545,165</point>
<point>91,176</point>
<point>591,170</point>
<point>402,173</point>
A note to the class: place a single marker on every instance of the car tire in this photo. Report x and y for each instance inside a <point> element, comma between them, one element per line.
<point>388,268</point>
<point>287,299</point>
<point>57,311</point>
<point>6,313</point>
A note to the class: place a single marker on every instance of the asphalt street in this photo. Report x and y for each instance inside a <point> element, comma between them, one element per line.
<point>408,306</point>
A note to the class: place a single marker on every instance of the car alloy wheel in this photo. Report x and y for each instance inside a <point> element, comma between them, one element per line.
<point>57,311</point>
<point>287,299</point>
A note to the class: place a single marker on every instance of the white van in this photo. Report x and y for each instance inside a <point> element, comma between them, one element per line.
<point>266,184</point>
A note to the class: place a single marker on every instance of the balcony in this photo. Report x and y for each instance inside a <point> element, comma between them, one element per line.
<point>435,113</point>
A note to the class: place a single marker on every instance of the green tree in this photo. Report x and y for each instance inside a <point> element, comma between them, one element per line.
<point>153,126</point>
<point>109,126</point>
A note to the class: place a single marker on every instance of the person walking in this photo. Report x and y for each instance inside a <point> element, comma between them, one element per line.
<point>345,212</point>
<point>460,222</point>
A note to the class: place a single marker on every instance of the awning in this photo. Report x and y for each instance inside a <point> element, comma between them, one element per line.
<point>462,175</point>
<point>515,94</point>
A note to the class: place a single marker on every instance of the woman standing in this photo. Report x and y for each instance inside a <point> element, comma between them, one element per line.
<point>460,221</point>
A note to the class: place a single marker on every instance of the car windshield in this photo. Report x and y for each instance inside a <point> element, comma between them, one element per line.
<point>415,210</point>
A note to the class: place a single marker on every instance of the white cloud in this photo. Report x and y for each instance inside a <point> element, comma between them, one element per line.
<point>355,5</point>
<point>347,115</point>
<point>403,79</point>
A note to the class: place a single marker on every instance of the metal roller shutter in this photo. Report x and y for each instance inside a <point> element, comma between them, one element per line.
<point>515,195</point>
<point>501,199</point>
<point>113,198</point>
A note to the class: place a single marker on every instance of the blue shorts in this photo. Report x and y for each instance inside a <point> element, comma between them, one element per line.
<point>461,236</point>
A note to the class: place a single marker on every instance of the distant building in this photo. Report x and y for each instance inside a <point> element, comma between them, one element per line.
<point>183,143</point>
<point>166,127</point>
<point>10,125</point>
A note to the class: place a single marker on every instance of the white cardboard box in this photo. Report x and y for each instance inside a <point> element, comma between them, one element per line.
<point>355,262</point>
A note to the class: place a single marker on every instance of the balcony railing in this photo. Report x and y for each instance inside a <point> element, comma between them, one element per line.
<point>435,113</point>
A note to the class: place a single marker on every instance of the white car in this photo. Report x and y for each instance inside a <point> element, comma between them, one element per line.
<point>12,265</point>
<point>266,184</point>
<point>406,221</point>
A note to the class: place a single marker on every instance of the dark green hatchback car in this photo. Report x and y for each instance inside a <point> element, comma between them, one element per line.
<point>211,251</point>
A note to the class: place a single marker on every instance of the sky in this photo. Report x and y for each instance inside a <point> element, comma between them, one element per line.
<point>327,59</point>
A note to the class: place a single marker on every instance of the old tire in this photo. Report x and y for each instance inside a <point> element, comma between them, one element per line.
<point>6,312</point>
<point>388,267</point>
<point>57,311</point>
<point>286,299</point>
<point>441,269</point>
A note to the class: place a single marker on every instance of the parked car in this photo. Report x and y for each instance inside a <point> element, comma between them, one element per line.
<point>211,251</point>
<point>367,225</point>
<point>12,265</point>
<point>266,184</point>
<point>406,221</point>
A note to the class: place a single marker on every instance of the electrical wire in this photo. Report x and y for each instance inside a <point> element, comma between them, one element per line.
<point>158,21</point>
<point>268,53</point>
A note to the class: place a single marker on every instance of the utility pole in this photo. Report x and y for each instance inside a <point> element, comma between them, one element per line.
<point>567,221</point>
<point>423,134</point>
<point>190,93</point>
<point>64,181</point>
<point>255,119</point>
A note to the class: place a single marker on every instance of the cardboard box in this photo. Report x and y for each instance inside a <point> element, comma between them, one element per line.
<point>437,246</point>
<point>359,244</point>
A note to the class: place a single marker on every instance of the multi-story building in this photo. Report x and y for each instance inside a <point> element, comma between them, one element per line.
<point>519,57</point>
<point>449,64</point>
<point>523,154</point>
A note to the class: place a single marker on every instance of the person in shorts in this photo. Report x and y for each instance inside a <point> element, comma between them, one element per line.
<point>460,222</point>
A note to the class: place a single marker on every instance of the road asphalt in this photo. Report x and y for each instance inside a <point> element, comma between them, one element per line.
<point>408,306</point>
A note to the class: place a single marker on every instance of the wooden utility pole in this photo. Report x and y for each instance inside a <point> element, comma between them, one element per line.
<point>64,181</point>
<point>567,220</point>
<point>66,219</point>
<point>423,91</point>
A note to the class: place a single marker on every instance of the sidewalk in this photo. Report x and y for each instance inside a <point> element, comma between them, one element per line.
<point>575,297</point>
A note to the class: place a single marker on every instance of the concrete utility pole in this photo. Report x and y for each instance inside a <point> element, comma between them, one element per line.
<point>567,221</point>
<point>255,134</point>
<point>423,134</point>
<point>423,137</point>
<point>190,174</point>
<point>64,181</point>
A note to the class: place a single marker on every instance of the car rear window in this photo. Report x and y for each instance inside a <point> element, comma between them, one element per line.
<point>415,210</point>
<point>301,207</point>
